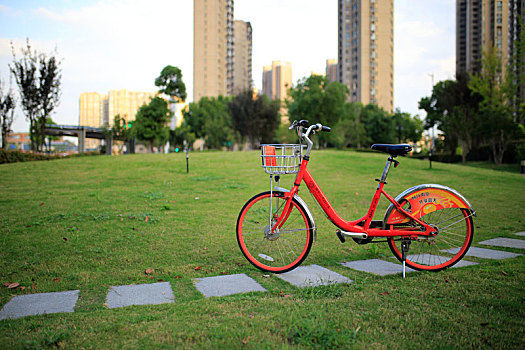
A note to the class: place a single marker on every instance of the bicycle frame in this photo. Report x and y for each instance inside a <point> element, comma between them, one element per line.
<point>362,225</point>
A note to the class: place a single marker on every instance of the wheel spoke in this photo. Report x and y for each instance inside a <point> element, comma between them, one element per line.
<point>276,251</point>
<point>454,227</point>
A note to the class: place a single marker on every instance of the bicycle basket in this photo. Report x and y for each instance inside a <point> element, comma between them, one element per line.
<point>282,158</point>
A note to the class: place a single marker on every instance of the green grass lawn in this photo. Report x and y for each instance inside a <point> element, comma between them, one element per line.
<point>95,222</point>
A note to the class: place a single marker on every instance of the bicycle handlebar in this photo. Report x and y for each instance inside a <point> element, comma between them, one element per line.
<point>304,123</point>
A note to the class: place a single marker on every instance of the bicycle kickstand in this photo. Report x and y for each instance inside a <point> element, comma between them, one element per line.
<point>405,245</point>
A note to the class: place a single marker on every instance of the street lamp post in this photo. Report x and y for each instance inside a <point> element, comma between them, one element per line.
<point>431,149</point>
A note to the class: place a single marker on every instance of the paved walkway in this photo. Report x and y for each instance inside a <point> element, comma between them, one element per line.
<point>217,286</point>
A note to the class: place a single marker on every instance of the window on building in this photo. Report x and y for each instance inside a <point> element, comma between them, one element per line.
<point>499,5</point>
<point>372,27</point>
<point>373,36</point>
<point>499,18</point>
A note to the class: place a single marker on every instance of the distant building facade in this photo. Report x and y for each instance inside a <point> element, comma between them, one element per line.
<point>331,70</point>
<point>480,25</point>
<point>366,50</point>
<point>242,69</point>
<point>99,110</point>
<point>213,48</point>
<point>277,79</point>
<point>19,141</point>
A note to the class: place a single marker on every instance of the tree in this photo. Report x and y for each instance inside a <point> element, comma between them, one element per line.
<point>181,134</point>
<point>210,119</point>
<point>496,91</point>
<point>38,78</point>
<point>151,122</point>
<point>407,128</point>
<point>121,130</point>
<point>254,118</point>
<point>378,124</point>
<point>7,113</point>
<point>348,130</point>
<point>48,90</point>
<point>25,73</point>
<point>454,108</point>
<point>171,84</point>
<point>318,100</point>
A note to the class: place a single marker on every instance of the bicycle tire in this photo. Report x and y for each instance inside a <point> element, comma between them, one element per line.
<point>446,248</point>
<point>287,247</point>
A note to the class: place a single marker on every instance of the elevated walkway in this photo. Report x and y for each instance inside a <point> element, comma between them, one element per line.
<point>83,132</point>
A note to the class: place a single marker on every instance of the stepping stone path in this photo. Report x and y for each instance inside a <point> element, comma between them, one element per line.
<point>141,294</point>
<point>220,286</point>
<point>505,242</point>
<point>302,276</point>
<point>436,259</point>
<point>485,253</point>
<point>376,266</point>
<point>39,304</point>
<point>312,276</point>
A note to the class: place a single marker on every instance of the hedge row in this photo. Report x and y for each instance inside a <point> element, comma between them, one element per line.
<point>18,156</point>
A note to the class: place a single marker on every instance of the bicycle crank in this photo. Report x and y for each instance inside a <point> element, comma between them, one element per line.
<point>343,234</point>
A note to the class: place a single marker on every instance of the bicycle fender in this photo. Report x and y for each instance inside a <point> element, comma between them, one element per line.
<point>424,199</point>
<point>301,202</point>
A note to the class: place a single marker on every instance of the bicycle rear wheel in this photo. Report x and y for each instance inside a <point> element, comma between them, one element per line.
<point>455,231</point>
<point>282,250</point>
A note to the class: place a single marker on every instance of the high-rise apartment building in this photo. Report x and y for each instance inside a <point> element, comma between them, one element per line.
<point>366,50</point>
<point>516,25</point>
<point>213,50</point>
<point>277,79</point>
<point>99,110</point>
<point>480,25</point>
<point>242,68</point>
<point>331,70</point>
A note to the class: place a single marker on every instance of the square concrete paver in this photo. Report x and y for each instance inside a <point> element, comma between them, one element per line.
<point>376,266</point>
<point>505,242</point>
<point>312,276</point>
<point>485,253</point>
<point>39,304</point>
<point>139,294</point>
<point>430,259</point>
<point>520,233</point>
<point>220,286</point>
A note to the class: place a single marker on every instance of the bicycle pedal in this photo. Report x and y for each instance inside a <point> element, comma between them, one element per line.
<point>341,237</point>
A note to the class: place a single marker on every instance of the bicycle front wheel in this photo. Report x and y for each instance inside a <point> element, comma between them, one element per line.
<point>282,250</point>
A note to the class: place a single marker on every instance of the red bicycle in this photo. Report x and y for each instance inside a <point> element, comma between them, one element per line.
<point>276,229</point>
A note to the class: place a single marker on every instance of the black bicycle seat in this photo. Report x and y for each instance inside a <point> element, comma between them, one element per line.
<point>394,150</point>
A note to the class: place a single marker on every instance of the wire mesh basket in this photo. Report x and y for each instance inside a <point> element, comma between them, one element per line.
<point>281,159</point>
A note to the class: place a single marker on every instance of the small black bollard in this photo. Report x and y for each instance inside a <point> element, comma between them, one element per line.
<point>522,170</point>
<point>187,150</point>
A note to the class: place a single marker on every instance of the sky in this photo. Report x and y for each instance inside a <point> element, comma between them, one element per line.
<point>124,44</point>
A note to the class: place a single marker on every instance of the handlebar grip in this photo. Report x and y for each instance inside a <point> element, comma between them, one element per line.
<point>326,128</point>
